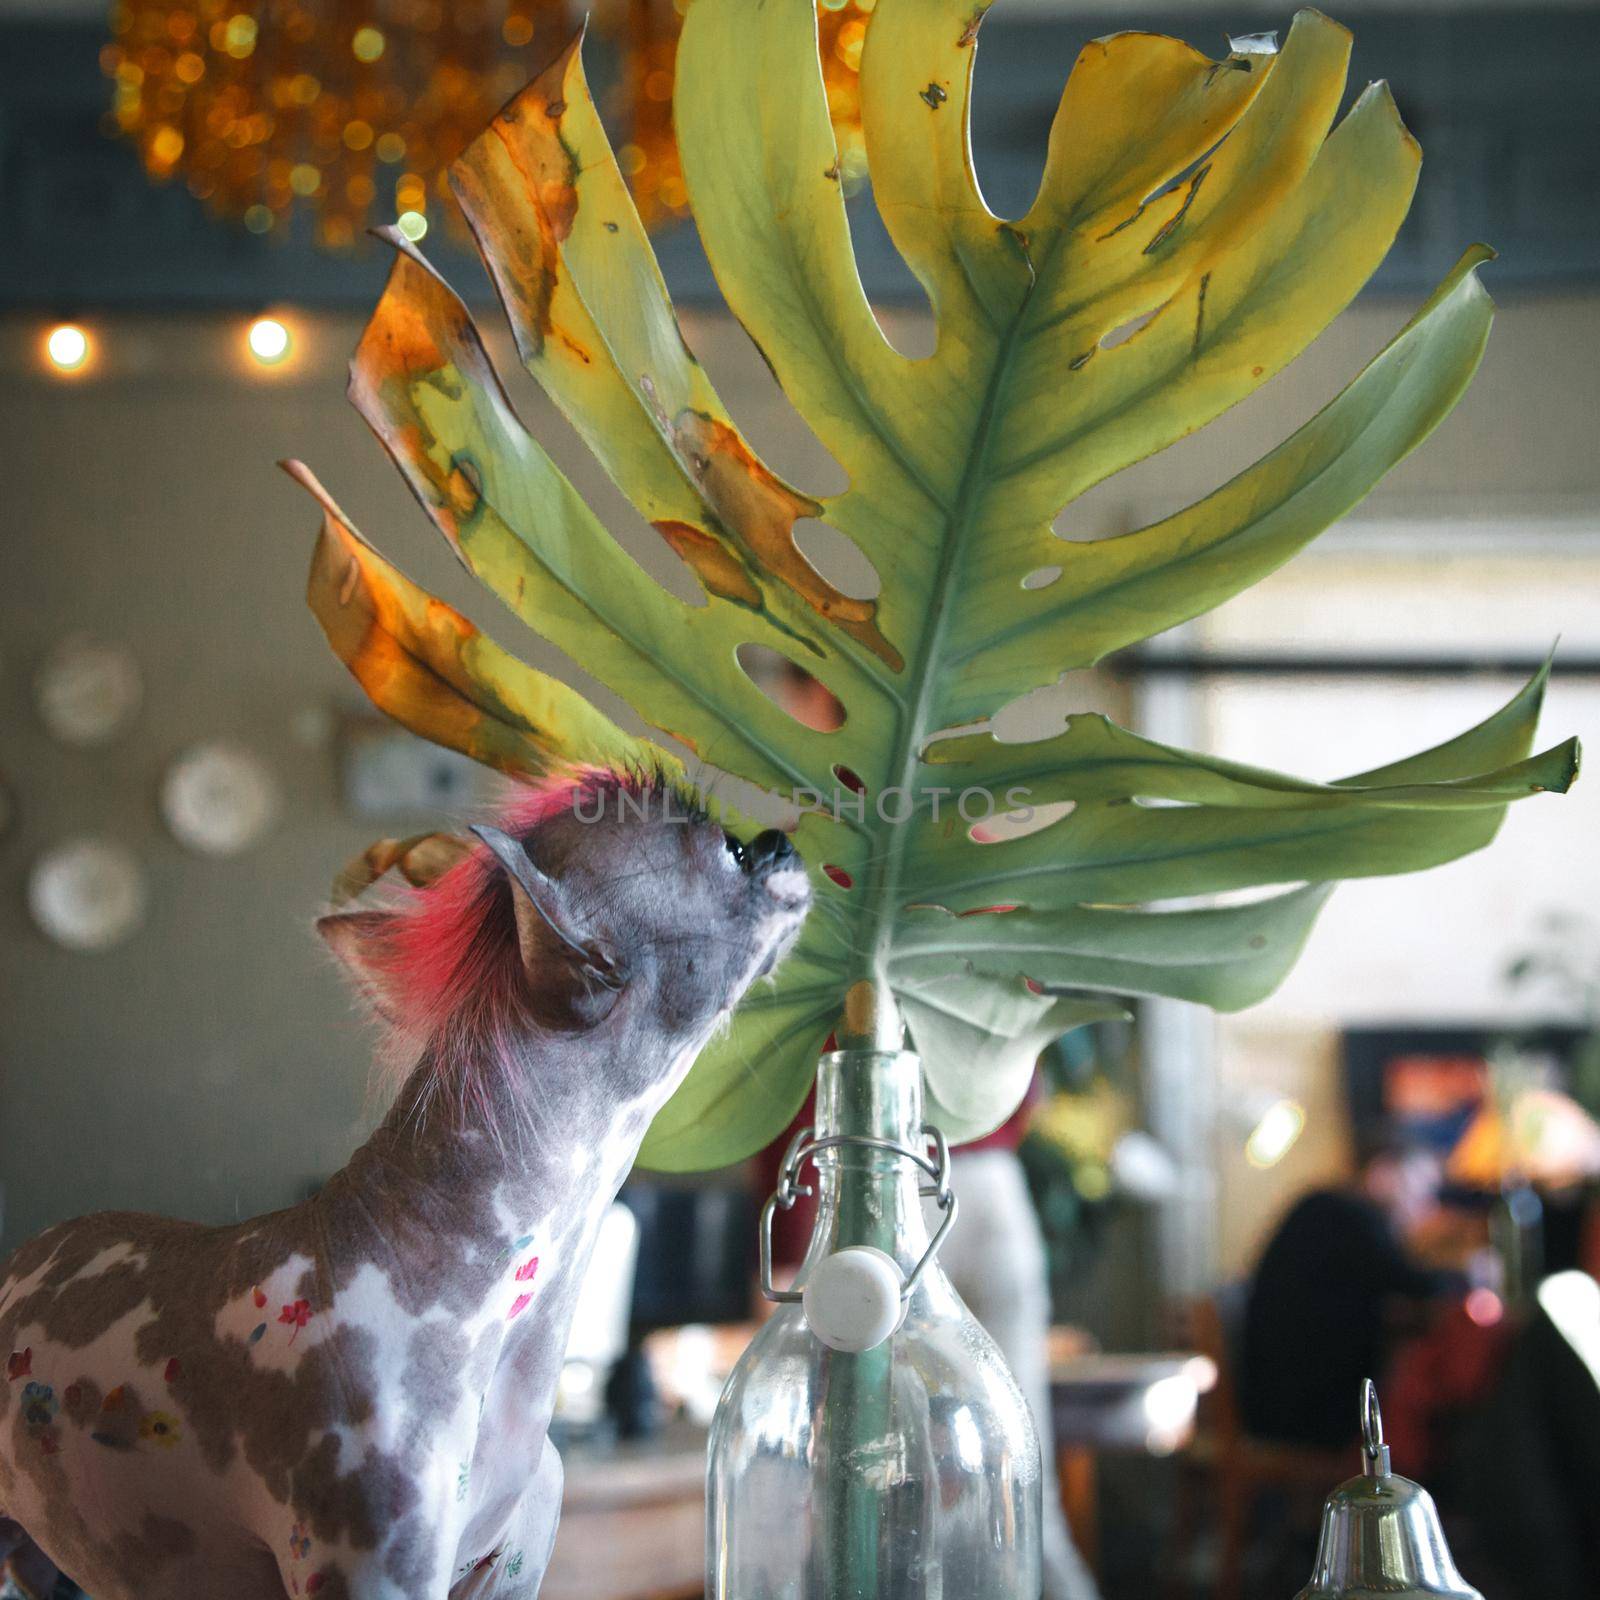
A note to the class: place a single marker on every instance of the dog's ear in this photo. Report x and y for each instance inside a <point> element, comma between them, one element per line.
<point>575,977</point>
<point>358,940</point>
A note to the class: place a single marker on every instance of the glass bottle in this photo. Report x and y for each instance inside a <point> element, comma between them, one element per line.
<point>909,1471</point>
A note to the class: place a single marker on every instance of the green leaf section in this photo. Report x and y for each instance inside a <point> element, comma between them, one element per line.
<point>1094,759</point>
<point>1182,566</point>
<point>1198,223</point>
<point>979,1036</point>
<point>1228,957</point>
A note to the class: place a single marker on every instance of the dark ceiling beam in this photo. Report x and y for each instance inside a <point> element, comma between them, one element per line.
<point>1501,98</point>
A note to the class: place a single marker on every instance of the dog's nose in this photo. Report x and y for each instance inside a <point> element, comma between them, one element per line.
<point>771,850</point>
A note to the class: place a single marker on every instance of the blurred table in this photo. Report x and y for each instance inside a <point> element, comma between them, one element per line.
<point>1140,1404</point>
<point>633,1516</point>
<point>632,1521</point>
<point>1122,1404</point>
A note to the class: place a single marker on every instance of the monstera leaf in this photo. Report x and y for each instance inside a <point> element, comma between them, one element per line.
<point>1199,222</point>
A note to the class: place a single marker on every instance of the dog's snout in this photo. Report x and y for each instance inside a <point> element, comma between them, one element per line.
<point>771,850</point>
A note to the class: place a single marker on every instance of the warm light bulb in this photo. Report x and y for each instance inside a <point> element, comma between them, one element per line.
<point>68,347</point>
<point>1275,1135</point>
<point>269,341</point>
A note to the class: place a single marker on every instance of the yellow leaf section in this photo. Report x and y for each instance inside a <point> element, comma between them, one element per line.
<point>1238,289</point>
<point>760,165</point>
<point>1243,259</point>
<point>1009,639</point>
<point>916,86</point>
<point>1138,109</point>
<point>423,380</point>
<point>424,664</point>
<point>582,289</point>
<point>1243,250</point>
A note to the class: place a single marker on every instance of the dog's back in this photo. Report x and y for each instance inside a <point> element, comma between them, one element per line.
<point>98,1408</point>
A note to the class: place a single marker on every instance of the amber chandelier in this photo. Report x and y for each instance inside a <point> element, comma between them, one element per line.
<point>650,157</point>
<point>350,111</point>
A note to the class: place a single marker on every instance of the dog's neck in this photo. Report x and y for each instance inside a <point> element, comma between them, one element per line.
<point>471,1177</point>
<point>484,1202</point>
<point>523,1144</point>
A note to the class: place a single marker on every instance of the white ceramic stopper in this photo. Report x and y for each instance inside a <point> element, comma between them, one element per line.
<point>852,1299</point>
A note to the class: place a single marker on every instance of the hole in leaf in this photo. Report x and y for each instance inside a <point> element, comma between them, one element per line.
<point>1041,577</point>
<point>1006,826</point>
<point>851,780</point>
<point>1161,802</point>
<point>791,688</point>
<point>642,540</point>
<point>1010,161</point>
<point>1181,178</point>
<point>838,558</point>
<point>839,876</point>
<point>1250,896</point>
<point>912,332</point>
<point>1124,331</point>
<point>1044,712</point>
<point>770,424</point>
<point>1076,526</point>
<point>989,911</point>
<point>1036,714</point>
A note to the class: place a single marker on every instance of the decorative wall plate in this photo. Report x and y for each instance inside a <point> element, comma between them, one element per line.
<point>87,894</point>
<point>387,772</point>
<point>218,799</point>
<point>87,691</point>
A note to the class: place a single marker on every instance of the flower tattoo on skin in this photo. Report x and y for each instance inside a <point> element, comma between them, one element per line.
<point>297,1316</point>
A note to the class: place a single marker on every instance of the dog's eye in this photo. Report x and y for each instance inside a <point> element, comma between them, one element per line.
<point>741,856</point>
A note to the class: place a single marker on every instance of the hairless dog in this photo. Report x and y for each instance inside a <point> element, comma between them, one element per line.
<point>351,1398</point>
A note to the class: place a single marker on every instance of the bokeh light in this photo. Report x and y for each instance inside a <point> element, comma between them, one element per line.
<point>266,108</point>
<point>269,341</point>
<point>68,347</point>
<point>1275,1134</point>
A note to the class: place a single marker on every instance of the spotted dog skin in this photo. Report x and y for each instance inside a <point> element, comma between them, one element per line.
<point>350,1399</point>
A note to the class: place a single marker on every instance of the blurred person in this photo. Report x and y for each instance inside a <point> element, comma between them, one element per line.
<point>1526,1466</point>
<point>1317,1315</point>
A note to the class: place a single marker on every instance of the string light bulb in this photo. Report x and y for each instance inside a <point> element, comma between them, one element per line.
<point>68,347</point>
<point>1275,1134</point>
<point>269,341</point>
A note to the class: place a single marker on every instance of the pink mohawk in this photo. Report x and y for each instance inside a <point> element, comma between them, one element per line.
<point>447,963</point>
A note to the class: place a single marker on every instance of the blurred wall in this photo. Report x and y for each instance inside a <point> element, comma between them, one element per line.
<point>211,1066</point>
<point>1432,948</point>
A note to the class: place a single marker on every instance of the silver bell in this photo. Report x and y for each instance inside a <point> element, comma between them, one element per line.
<point>1381,1538</point>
